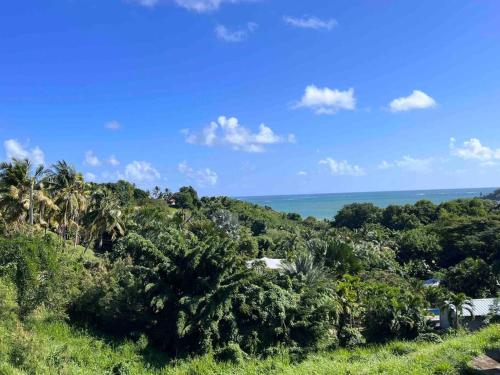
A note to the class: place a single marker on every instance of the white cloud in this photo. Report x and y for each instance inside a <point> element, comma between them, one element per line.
<point>310,22</point>
<point>113,125</point>
<point>474,150</point>
<point>141,171</point>
<point>327,101</point>
<point>301,173</point>
<point>91,159</point>
<point>90,176</point>
<point>342,167</point>
<point>385,165</point>
<point>14,150</point>
<point>228,131</point>
<point>416,100</point>
<point>235,36</point>
<point>408,163</point>
<point>199,6</point>
<point>147,3</point>
<point>203,177</point>
<point>112,160</point>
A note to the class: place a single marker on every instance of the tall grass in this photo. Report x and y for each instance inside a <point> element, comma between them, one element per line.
<point>54,347</point>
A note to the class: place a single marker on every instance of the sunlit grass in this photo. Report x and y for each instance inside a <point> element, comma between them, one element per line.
<point>54,347</point>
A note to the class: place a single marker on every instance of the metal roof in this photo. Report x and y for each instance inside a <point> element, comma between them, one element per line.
<point>271,263</point>
<point>483,306</point>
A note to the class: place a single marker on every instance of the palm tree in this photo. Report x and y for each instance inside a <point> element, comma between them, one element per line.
<point>104,216</point>
<point>305,265</point>
<point>20,188</point>
<point>456,304</point>
<point>70,194</point>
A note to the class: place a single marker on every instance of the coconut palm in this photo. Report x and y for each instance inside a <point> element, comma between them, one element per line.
<point>104,216</point>
<point>456,304</point>
<point>69,192</point>
<point>21,187</point>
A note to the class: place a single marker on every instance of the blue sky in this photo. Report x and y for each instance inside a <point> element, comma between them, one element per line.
<point>256,97</point>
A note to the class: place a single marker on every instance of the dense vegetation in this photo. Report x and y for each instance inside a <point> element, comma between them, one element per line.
<point>168,271</point>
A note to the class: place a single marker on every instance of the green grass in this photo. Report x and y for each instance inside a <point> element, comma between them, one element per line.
<point>54,347</point>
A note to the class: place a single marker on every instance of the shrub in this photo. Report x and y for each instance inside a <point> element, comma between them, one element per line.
<point>356,215</point>
<point>473,277</point>
<point>351,337</point>
<point>429,337</point>
<point>230,353</point>
<point>41,271</point>
<point>401,348</point>
<point>8,305</point>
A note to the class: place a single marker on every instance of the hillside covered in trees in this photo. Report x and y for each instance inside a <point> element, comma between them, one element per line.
<point>169,271</point>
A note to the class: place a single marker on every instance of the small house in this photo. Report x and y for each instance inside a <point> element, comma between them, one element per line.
<point>481,308</point>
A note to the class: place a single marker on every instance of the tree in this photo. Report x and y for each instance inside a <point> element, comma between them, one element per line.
<point>392,312</point>
<point>69,190</point>
<point>258,227</point>
<point>104,216</point>
<point>400,217</point>
<point>473,277</point>
<point>339,257</point>
<point>419,244</point>
<point>455,305</point>
<point>187,198</point>
<point>156,193</point>
<point>356,215</point>
<point>306,267</point>
<point>21,187</point>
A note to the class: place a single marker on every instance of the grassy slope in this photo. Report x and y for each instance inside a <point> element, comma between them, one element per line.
<point>56,348</point>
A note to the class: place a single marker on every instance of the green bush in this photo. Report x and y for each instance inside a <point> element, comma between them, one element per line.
<point>8,304</point>
<point>41,271</point>
<point>230,353</point>
<point>429,337</point>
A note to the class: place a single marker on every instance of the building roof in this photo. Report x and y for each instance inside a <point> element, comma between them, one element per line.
<point>273,264</point>
<point>483,306</point>
<point>431,282</point>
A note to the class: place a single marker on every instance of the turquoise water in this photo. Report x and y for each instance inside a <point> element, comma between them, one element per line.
<point>326,205</point>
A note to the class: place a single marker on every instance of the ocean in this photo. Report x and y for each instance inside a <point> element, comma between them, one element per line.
<point>327,205</point>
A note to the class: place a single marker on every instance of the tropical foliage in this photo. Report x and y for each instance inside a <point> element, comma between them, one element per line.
<point>182,272</point>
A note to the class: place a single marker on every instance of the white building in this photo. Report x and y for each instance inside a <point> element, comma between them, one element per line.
<point>271,263</point>
<point>481,308</point>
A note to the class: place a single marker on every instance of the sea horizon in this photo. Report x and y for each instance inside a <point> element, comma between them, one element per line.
<point>326,205</point>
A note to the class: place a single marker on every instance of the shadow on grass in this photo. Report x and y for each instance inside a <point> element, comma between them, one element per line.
<point>150,355</point>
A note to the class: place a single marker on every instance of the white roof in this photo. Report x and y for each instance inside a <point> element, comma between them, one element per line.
<point>482,306</point>
<point>273,264</point>
<point>431,282</point>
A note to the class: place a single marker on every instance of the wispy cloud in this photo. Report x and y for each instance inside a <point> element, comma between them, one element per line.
<point>229,132</point>
<point>140,171</point>
<point>91,159</point>
<point>198,6</point>
<point>146,3</point>
<point>342,167</point>
<point>14,149</point>
<point>474,150</point>
<point>113,125</point>
<point>311,22</point>
<point>408,163</point>
<point>112,160</point>
<point>416,100</point>
<point>234,36</point>
<point>327,101</point>
<point>203,177</point>
<point>90,177</point>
